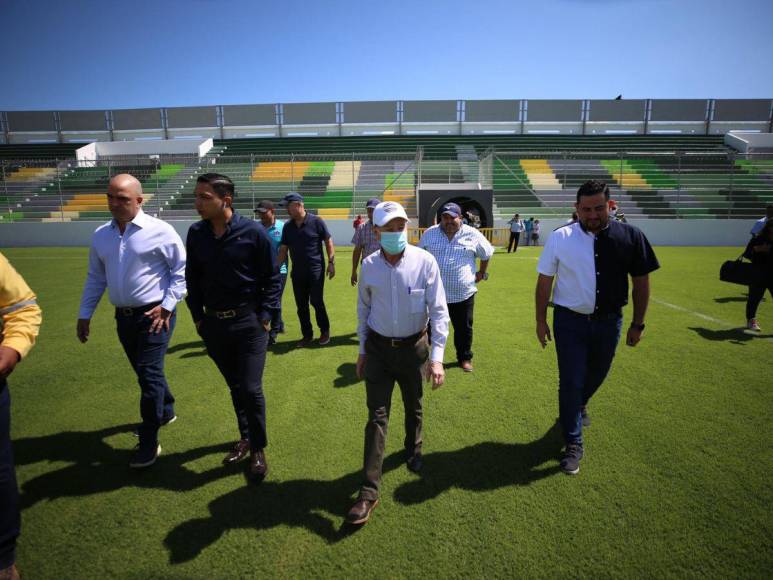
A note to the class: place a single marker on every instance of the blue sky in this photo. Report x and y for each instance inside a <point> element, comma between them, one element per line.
<point>97,54</point>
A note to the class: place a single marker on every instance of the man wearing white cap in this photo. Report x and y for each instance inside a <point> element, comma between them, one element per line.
<point>400,291</point>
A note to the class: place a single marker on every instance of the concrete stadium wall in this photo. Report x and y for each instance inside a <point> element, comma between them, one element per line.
<point>660,232</point>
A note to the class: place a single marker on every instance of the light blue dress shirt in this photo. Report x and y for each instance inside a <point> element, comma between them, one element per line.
<point>144,265</point>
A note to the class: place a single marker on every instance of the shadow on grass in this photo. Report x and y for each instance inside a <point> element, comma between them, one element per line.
<point>289,345</point>
<point>728,299</point>
<point>198,345</point>
<point>731,335</point>
<point>304,503</point>
<point>484,467</point>
<point>347,375</point>
<point>96,467</point>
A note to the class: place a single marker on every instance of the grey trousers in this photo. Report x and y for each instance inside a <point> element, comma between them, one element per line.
<point>384,366</point>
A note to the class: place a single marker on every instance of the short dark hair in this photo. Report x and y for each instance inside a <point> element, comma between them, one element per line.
<point>593,187</point>
<point>221,184</point>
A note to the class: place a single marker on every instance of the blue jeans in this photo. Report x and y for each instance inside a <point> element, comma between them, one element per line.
<point>585,350</point>
<point>277,324</point>
<point>10,519</point>
<point>145,352</point>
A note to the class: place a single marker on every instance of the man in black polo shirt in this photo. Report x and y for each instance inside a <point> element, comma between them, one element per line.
<point>233,291</point>
<point>592,259</point>
<point>303,235</point>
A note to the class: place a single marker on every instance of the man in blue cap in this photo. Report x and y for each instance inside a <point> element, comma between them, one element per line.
<point>303,236</point>
<point>456,247</point>
<point>364,241</point>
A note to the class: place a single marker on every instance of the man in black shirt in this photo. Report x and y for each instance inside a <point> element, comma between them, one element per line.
<point>233,291</point>
<point>303,236</point>
<point>592,259</point>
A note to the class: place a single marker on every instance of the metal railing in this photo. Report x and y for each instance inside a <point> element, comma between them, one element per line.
<point>538,183</point>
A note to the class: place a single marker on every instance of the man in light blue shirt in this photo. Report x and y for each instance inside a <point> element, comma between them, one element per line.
<point>141,262</point>
<point>267,215</point>
<point>456,248</point>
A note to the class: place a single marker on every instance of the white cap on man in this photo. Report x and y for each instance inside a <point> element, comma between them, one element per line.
<point>386,211</point>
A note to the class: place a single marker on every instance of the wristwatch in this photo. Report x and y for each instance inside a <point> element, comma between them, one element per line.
<point>638,327</point>
<point>484,276</point>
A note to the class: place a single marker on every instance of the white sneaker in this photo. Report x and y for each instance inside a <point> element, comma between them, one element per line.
<point>753,325</point>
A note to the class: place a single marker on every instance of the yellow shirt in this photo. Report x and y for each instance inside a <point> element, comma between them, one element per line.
<point>20,313</point>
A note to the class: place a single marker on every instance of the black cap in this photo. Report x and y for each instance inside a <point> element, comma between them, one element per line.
<point>264,206</point>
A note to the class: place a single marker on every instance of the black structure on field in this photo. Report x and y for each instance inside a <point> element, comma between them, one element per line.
<point>432,199</point>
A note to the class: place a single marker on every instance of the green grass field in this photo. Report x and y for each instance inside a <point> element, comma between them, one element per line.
<point>675,481</point>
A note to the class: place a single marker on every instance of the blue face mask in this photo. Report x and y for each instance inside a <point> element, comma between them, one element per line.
<point>394,242</point>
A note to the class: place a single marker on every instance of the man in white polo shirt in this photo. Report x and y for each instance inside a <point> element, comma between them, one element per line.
<point>591,259</point>
<point>141,262</point>
<point>400,291</point>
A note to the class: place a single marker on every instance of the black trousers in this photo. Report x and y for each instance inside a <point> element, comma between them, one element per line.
<point>10,519</point>
<point>756,292</point>
<point>238,347</point>
<point>461,314</point>
<point>513,243</point>
<point>308,288</point>
<point>383,366</point>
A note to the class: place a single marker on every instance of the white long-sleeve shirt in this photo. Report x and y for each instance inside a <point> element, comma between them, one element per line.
<point>398,301</point>
<point>144,265</point>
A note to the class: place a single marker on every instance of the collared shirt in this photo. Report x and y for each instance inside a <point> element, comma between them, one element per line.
<point>592,269</point>
<point>516,226</point>
<point>456,258</point>
<point>365,238</point>
<point>758,225</point>
<point>398,301</point>
<point>145,264</point>
<point>237,269</point>
<point>275,233</point>
<point>305,243</point>
<point>19,310</point>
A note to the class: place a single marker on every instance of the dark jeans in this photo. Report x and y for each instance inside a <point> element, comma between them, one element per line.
<point>10,519</point>
<point>756,292</point>
<point>383,366</point>
<point>461,319</point>
<point>513,243</point>
<point>145,352</point>
<point>238,347</point>
<point>308,287</point>
<point>585,350</point>
<point>277,324</point>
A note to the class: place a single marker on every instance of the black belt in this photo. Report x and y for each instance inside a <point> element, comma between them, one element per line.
<point>230,313</point>
<point>396,342</point>
<point>128,311</point>
<point>593,316</point>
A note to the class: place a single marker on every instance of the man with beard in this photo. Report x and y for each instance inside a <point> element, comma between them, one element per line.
<point>233,293</point>
<point>592,259</point>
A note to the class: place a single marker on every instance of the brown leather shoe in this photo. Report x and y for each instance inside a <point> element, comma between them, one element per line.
<point>258,466</point>
<point>303,343</point>
<point>239,452</point>
<point>466,366</point>
<point>360,512</point>
<point>10,573</point>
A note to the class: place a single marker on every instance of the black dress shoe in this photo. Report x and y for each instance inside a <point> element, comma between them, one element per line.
<point>258,466</point>
<point>360,512</point>
<point>239,452</point>
<point>415,463</point>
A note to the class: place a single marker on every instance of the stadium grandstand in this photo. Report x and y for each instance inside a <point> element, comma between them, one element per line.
<point>664,159</point>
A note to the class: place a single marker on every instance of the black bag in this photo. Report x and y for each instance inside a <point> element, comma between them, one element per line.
<point>738,272</point>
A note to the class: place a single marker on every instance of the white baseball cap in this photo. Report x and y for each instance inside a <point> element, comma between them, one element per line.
<point>386,211</point>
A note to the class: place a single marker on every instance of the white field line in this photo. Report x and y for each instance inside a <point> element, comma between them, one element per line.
<point>694,313</point>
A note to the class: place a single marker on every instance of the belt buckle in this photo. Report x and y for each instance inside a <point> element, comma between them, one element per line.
<point>126,311</point>
<point>395,342</point>
<point>223,314</point>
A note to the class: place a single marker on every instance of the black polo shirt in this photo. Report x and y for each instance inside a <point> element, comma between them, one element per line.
<point>233,270</point>
<point>305,244</point>
<point>592,269</point>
